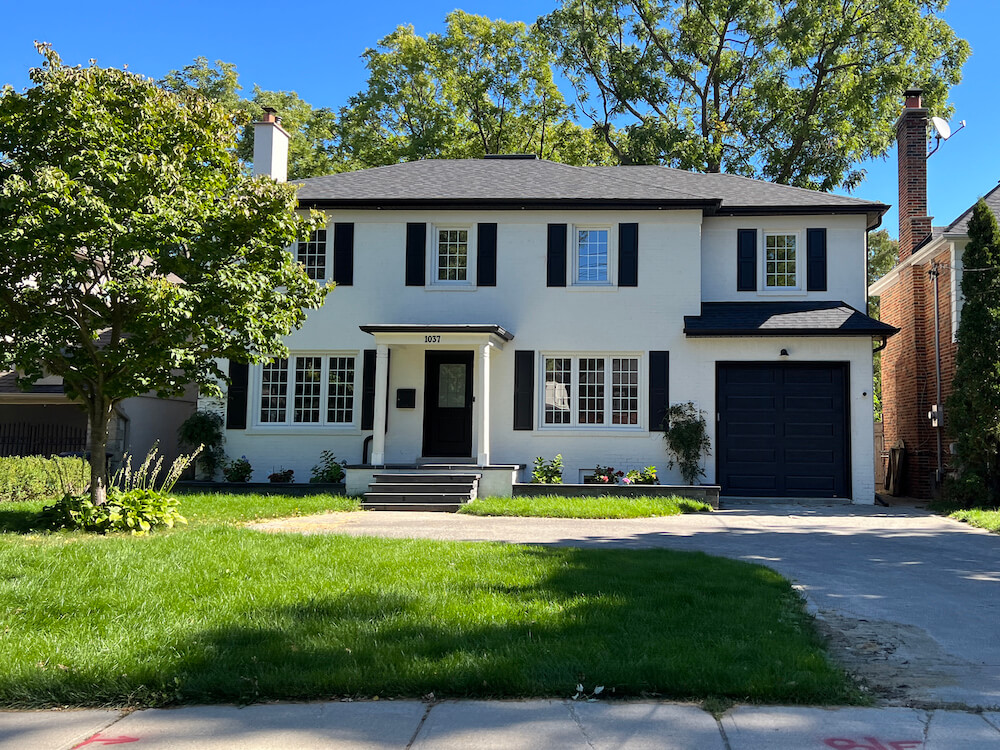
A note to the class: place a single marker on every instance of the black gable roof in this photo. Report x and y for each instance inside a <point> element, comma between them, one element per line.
<point>961,224</point>
<point>536,183</point>
<point>783,319</point>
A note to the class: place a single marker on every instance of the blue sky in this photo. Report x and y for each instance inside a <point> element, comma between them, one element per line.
<point>315,48</point>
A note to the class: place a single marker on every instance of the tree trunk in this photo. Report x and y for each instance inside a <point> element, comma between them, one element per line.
<point>100,417</point>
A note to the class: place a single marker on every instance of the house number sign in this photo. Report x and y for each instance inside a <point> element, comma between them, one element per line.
<point>436,339</point>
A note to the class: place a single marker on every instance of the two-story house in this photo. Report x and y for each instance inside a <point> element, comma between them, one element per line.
<point>491,311</point>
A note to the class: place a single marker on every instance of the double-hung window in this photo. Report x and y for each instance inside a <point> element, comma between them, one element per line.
<point>591,391</point>
<point>780,261</point>
<point>451,256</point>
<point>312,255</point>
<point>312,389</point>
<point>591,256</point>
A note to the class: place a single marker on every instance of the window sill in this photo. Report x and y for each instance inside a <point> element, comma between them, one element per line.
<point>444,286</point>
<point>634,432</point>
<point>288,429</point>
<point>584,287</point>
<point>783,292</point>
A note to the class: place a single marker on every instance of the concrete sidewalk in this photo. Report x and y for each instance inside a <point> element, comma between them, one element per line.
<point>478,725</point>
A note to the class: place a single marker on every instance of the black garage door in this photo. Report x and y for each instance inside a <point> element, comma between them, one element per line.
<point>783,429</point>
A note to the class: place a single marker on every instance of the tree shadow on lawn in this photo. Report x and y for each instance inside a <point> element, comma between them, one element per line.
<point>21,518</point>
<point>660,632</point>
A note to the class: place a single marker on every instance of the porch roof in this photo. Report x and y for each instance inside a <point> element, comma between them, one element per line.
<point>439,328</point>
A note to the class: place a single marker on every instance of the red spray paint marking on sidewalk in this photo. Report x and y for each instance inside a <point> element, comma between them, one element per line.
<point>870,743</point>
<point>97,739</point>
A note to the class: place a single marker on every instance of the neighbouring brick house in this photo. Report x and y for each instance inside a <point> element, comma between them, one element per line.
<point>930,261</point>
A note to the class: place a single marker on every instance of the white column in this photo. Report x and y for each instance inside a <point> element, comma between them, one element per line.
<point>483,404</point>
<point>381,392</point>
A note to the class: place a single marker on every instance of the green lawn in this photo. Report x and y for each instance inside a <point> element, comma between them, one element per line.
<point>984,519</point>
<point>215,613</point>
<point>554,506</point>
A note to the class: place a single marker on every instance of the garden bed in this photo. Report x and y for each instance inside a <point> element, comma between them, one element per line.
<point>289,489</point>
<point>706,493</point>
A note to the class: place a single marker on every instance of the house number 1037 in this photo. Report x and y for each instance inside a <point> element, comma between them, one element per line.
<point>432,339</point>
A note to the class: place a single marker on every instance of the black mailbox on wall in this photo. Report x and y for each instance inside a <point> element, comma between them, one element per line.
<point>406,398</point>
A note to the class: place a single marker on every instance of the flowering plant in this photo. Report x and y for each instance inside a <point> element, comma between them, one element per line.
<point>283,476</point>
<point>239,470</point>
<point>641,476</point>
<point>607,474</point>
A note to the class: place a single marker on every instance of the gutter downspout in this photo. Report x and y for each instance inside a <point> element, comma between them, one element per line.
<point>934,273</point>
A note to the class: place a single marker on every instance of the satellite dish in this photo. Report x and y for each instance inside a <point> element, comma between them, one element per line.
<point>942,127</point>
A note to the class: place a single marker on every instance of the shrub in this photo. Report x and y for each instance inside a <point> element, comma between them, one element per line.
<point>135,511</point>
<point>328,470</point>
<point>547,472</point>
<point>607,474</point>
<point>686,433</point>
<point>239,470</point>
<point>24,478</point>
<point>641,476</point>
<point>282,477</point>
<point>204,429</point>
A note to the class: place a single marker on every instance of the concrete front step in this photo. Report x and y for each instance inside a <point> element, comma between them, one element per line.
<point>426,478</point>
<point>454,488</point>
<point>416,497</point>
<point>426,507</point>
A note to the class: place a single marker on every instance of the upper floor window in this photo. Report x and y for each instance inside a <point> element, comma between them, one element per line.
<point>780,261</point>
<point>311,389</point>
<point>591,256</point>
<point>591,391</point>
<point>452,255</point>
<point>312,255</point>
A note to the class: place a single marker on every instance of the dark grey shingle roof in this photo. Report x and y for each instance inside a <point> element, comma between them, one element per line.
<point>961,224</point>
<point>539,180</point>
<point>783,319</point>
<point>8,384</point>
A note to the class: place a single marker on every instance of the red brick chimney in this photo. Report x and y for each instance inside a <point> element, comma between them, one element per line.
<point>911,140</point>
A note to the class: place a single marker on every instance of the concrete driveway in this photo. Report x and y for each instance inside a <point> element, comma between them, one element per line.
<point>910,601</point>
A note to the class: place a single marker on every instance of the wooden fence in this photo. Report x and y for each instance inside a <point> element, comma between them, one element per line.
<point>26,439</point>
<point>881,457</point>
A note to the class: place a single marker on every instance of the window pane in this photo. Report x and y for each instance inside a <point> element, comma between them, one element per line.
<point>592,255</point>
<point>312,254</point>
<point>274,391</point>
<point>453,254</point>
<point>557,390</point>
<point>780,261</point>
<point>340,396</point>
<point>308,387</point>
<point>624,390</point>
<point>451,385</point>
<point>591,400</point>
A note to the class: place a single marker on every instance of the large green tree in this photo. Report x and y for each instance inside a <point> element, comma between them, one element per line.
<point>973,413</point>
<point>137,250</point>
<point>793,91</point>
<point>311,147</point>
<point>483,87</point>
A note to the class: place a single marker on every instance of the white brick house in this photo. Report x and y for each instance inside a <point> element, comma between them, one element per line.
<point>490,311</point>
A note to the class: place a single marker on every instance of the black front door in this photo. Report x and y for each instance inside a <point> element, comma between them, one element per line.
<point>448,404</point>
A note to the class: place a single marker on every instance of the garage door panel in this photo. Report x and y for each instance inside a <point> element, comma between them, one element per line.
<point>782,429</point>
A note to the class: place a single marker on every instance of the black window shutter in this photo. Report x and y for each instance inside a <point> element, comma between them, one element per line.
<point>555,274</point>
<point>659,382</point>
<point>343,253</point>
<point>236,396</point>
<point>628,255</point>
<point>368,390</point>
<point>524,389</point>
<point>746,260</point>
<point>816,260</point>
<point>416,254</point>
<point>486,255</point>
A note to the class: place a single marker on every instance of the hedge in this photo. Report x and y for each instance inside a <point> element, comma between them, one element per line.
<point>37,478</point>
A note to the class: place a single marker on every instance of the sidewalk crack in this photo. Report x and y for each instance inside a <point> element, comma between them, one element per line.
<point>722,733</point>
<point>579,723</point>
<point>78,741</point>
<point>420,725</point>
<point>927,726</point>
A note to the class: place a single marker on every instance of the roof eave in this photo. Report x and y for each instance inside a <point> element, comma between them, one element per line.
<point>509,203</point>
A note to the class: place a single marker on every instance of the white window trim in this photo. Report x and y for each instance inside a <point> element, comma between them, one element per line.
<point>589,429</point>
<point>432,258</point>
<point>574,250</point>
<point>798,289</point>
<point>289,425</point>
<point>326,255</point>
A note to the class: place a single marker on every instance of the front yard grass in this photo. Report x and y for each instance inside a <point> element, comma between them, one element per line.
<point>217,613</point>
<point>981,517</point>
<point>555,506</point>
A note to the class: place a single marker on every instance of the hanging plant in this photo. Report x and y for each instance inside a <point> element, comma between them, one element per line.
<point>686,434</point>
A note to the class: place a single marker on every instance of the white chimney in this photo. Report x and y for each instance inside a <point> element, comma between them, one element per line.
<point>270,147</point>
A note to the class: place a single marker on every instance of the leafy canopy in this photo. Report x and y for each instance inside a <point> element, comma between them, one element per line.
<point>483,87</point>
<point>973,414</point>
<point>793,91</point>
<point>137,250</point>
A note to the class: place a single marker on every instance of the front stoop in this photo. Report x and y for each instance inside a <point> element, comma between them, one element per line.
<point>444,493</point>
